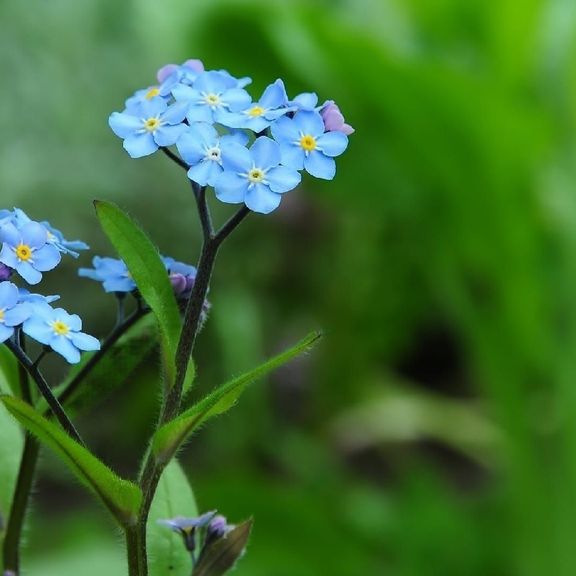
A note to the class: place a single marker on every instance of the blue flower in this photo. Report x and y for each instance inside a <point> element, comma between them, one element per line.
<point>304,143</point>
<point>146,94</point>
<point>148,125</point>
<point>113,274</point>
<point>213,93</point>
<point>200,147</point>
<point>254,176</point>
<point>13,312</point>
<point>258,116</point>
<point>27,251</point>
<point>61,331</point>
<point>187,527</point>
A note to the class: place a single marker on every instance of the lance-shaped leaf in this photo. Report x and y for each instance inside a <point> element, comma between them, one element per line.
<point>172,435</point>
<point>120,496</point>
<point>221,556</point>
<point>146,268</point>
<point>174,497</point>
<point>9,377</point>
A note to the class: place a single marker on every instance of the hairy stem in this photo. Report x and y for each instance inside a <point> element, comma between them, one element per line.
<point>136,552</point>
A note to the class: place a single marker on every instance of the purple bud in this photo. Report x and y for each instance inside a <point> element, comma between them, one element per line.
<point>165,71</point>
<point>196,65</point>
<point>179,283</point>
<point>333,119</point>
<point>218,527</point>
<point>5,272</point>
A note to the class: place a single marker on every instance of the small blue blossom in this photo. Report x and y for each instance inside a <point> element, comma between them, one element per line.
<point>13,312</point>
<point>254,176</point>
<point>145,95</point>
<point>27,250</point>
<point>200,148</point>
<point>148,125</point>
<point>213,93</point>
<point>304,143</point>
<point>113,274</point>
<point>61,331</point>
<point>258,116</point>
<point>187,527</point>
<point>35,299</point>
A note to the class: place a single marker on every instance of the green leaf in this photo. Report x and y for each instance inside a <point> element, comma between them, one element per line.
<point>113,369</point>
<point>223,554</point>
<point>172,435</point>
<point>149,273</point>
<point>9,377</point>
<point>174,497</point>
<point>121,497</point>
<point>11,445</point>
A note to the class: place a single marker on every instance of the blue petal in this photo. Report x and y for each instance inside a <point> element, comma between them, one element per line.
<point>168,135</point>
<point>63,346</point>
<point>285,130</point>
<point>18,314</point>
<point>85,341</point>
<point>205,173</point>
<point>8,256</point>
<point>309,123</point>
<point>119,285</point>
<point>282,179</point>
<point>236,99</point>
<point>10,234</point>
<point>230,188</point>
<point>333,143</point>
<point>235,157</point>
<point>190,148</point>
<point>123,124</point>
<point>261,199</point>
<point>185,93</point>
<point>238,136</point>
<point>214,81</point>
<point>9,294</point>
<point>175,113</point>
<point>266,152</point>
<point>274,96</point>
<point>47,258</point>
<point>320,166</point>
<point>31,275</point>
<point>72,320</point>
<point>140,145</point>
<point>199,113</point>
<point>306,100</point>
<point>292,156</point>
<point>153,107</point>
<point>34,234</point>
<point>205,132</point>
<point>5,332</point>
<point>38,329</point>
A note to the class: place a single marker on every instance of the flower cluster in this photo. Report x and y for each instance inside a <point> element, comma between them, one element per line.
<point>29,248</point>
<point>250,151</point>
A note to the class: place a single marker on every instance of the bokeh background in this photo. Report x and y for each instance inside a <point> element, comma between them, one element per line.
<point>433,432</point>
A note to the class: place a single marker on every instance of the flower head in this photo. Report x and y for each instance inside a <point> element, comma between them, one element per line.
<point>187,527</point>
<point>201,148</point>
<point>254,176</point>
<point>304,143</point>
<point>212,94</point>
<point>27,250</point>
<point>148,125</point>
<point>13,311</point>
<point>113,274</point>
<point>61,331</point>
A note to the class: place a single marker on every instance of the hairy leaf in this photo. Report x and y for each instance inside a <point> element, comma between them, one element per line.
<point>121,497</point>
<point>172,435</point>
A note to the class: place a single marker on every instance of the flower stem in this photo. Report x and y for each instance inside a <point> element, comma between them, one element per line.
<point>136,552</point>
<point>45,390</point>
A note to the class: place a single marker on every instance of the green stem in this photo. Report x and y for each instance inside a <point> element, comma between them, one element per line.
<point>45,390</point>
<point>136,552</point>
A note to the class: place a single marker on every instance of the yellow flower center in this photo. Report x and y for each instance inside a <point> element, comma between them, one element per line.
<point>256,175</point>
<point>23,252</point>
<point>212,99</point>
<point>151,124</point>
<point>308,142</point>
<point>1,315</point>
<point>60,328</point>
<point>153,91</point>
<point>256,111</point>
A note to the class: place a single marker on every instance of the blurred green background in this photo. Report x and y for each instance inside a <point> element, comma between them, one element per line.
<point>433,432</point>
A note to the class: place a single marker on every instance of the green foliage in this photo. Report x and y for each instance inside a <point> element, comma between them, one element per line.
<point>9,377</point>
<point>168,439</point>
<point>122,498</point>
<point>174,497</point>
<point>223,554</point>
<point>149,273</point>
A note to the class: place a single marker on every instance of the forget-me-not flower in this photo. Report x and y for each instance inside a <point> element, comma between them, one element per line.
<point>149,125</point>
<point>13,312</point>
<point>61,331</point>
<point>27,250</point>
<point>258,116</point>
<point>200,147</point>
<point>304,143</point>
<point>254,176</point>
<point>212,93</point>
<point>113,274</point>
